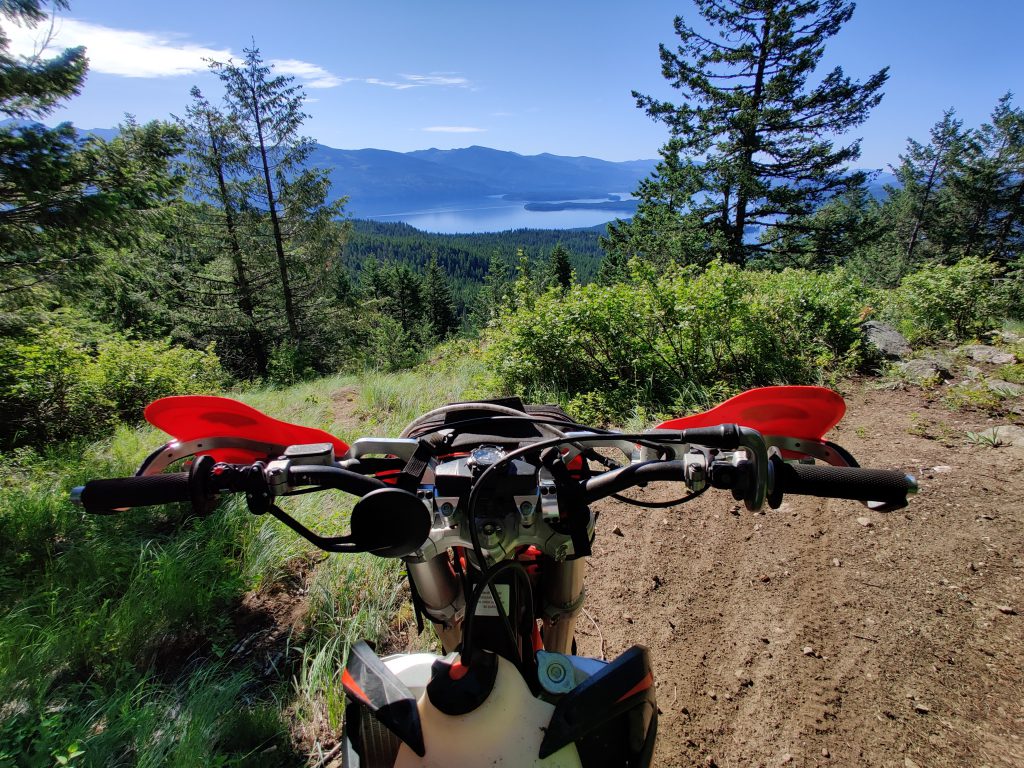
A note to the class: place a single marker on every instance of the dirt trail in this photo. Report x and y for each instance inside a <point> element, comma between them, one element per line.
<point>804,636</point>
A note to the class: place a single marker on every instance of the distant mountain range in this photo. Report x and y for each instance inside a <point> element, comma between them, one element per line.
<point>379,182</point>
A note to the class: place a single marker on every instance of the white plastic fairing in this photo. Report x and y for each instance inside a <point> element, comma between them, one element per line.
<point>413,669</point>
<point>506,730</point>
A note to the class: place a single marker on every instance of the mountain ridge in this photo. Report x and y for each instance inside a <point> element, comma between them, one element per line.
<point>381,182</point>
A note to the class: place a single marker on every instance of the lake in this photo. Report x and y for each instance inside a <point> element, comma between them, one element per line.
<point>497,215</point>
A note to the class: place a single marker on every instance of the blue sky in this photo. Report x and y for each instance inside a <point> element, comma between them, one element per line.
<point>528,76</point>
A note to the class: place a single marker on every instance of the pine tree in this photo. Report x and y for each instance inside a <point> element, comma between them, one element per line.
<point>438,301</point>
<point>494,294</point>
<point>63,198</point>
<point>290,200</point>
<point>215,160</point>
<point>614,267</point>
<point>558,273</point>
<point>401,291</point>
<point>752,141</point>
<point>925,175</point>
<point>989,187</point>
<point>660,232</point>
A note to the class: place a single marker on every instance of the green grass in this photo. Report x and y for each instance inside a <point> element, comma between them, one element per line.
<point>116,632</point>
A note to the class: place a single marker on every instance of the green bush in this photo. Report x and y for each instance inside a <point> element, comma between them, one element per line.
<point>683,338</point>
<point>131,374</point>
<point>55,387</point>
<point>947,303</point>
<point>47,391</point>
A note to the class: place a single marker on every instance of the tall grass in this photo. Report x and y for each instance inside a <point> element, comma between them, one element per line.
<point>115,632</point>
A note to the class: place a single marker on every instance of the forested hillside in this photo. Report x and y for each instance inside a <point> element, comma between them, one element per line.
<point>467,259</point>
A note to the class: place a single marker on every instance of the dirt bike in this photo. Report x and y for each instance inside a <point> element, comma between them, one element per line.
<point>489,506</point>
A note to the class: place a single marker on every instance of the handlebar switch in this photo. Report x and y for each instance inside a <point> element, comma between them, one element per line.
<point>731,476</point>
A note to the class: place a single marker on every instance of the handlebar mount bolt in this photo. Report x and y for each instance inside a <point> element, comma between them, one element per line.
<point>447,509</point>
<point>526,509</point>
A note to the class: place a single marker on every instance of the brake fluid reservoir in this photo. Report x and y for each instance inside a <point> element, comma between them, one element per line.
<point>505,730</point>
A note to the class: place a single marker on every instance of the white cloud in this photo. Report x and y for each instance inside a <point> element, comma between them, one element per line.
<point>311,75</point>
<point>453,129</point>
<point>389,83</point>
<point>121,52</point>
<point>129,53</point>
<point>437,79</point>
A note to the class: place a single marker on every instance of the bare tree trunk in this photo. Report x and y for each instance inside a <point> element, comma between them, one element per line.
<point>275,222</point>
<point>736,253</point>
<point>246,305</point>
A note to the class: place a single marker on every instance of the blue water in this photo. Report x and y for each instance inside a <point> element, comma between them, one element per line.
<point>497,215</point>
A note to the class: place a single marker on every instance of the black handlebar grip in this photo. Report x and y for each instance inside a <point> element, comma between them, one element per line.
<point>855,483</point>
<point>144,491</point>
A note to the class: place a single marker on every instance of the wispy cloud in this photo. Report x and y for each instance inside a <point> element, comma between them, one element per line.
<point>389,83</point>
<point>435,79</point>
<point>130,53</point>
<point>453,129</point>
<point>311,75</point>
<point>438,78</point>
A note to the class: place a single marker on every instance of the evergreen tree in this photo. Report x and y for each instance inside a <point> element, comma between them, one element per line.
<point>401,291</point>
<point>752,141</point>
<point>243,320</point>
<point>370,281</point>
<point>989,187</point>
<point>924,173</point>
<point>294,221</point>
<point>493,296</point>
<point>614,267</point>
<point>961,194</point>
<point>840,230</point>
<point>63,199</point>
<point>559,272</point>
<point>439,305</point>
<point>660,231</point>
<point>524,288</point>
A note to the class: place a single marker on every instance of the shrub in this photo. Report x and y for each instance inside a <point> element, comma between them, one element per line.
<point>131,374</point>
<point>54,387</point>
<point>947,303</point>
<point>47,391</point>
<point>682,338</point>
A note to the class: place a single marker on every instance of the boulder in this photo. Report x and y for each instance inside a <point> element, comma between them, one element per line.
<point>1007,337</point>
<point>1005,388</point>
<point>1010,434</point>
<point>930,368</point>
<point>983,353</point>
<point>887,340</point>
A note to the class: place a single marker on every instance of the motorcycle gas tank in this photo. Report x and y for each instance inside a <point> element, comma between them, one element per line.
<point>506,730</point>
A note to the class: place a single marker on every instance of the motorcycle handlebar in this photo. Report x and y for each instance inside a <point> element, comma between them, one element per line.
<point>886,487</point>
<point>203,483</point>
<point>628,477</point>
<point>855,483</point>
<point>100,496</point>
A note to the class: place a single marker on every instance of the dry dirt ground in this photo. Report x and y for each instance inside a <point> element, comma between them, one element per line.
<point>803,636</point>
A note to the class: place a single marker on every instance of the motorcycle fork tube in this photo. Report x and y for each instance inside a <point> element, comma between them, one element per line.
<point>563,598</point>
<point>440,593</point>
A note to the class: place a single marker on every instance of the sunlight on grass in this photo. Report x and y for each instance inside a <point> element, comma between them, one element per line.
<point>115,631</point>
